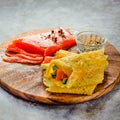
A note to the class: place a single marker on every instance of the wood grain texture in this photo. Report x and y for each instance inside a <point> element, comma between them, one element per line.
<point>25,81</point>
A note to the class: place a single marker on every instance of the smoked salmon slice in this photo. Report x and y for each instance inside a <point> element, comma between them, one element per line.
<point>14,49</point>
<point>37,58</point>
<point>21,60</point>
<point>46,43</point>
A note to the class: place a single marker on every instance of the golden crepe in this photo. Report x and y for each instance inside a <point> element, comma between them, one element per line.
<point>84,72</point>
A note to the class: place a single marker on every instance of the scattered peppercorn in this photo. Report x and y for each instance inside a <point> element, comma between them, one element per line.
<point>63,36</point>
<point>59,31</point>
<point>52,31</point>
<point>48,36</point>
<point>55,39</point>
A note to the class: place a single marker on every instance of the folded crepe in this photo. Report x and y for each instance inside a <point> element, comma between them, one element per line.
<point>84,72</point>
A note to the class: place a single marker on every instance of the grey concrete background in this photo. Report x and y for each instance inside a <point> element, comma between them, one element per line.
<point>17,16</point>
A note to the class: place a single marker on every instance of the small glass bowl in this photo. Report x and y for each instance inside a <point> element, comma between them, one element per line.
<point>89,41</point>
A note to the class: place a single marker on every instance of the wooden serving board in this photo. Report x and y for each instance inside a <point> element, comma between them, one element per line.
<point>25,81</point>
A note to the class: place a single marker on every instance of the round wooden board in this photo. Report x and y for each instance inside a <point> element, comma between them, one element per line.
<point>25,81</point>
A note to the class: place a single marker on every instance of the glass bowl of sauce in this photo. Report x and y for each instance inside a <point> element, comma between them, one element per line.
<point>89,41</point>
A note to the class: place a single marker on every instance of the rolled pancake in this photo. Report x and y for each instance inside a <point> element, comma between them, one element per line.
<point>85,71</point>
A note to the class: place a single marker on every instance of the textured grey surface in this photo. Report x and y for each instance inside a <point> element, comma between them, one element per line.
<point>17,16</point>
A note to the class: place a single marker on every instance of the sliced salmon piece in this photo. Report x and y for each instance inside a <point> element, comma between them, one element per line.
<point>37,58</point>
<point>16,59</point>
<point>37,46</point>
<point>46,43</point>
<point>13,48</point>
